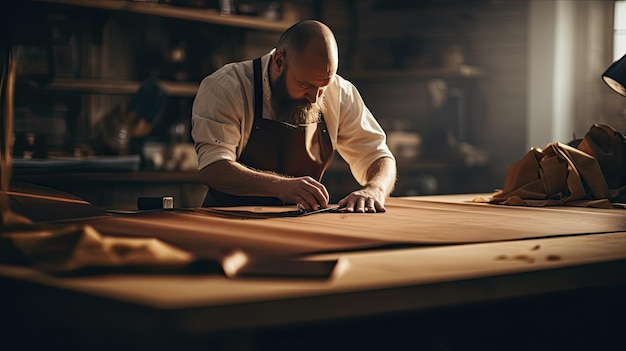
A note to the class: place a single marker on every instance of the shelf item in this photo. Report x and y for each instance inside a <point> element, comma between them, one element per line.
<point>187,14</point>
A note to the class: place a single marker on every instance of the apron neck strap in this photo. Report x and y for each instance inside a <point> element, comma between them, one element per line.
<point>258,88</point>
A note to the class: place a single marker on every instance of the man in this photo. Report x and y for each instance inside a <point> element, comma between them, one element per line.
<point>265,130</point>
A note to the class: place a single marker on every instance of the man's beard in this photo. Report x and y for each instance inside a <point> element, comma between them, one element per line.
<point>295,112</point>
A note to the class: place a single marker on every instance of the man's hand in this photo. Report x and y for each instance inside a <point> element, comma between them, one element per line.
<point>368,199</point>
<point>381,177</point>
<point>234,178</point>
<point>308,193</point>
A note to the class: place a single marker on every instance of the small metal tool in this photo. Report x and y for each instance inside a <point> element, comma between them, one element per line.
<point>304,212</point>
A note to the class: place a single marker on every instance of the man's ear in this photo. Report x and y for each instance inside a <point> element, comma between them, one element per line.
<point>279,61</point>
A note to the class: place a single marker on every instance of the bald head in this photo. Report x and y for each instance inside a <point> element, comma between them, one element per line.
<point>310,42</point>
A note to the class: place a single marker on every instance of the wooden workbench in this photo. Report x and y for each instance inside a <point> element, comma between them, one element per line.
<point>436,272</point>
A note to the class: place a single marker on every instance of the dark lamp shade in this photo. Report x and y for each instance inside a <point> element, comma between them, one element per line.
<point>615,76</point>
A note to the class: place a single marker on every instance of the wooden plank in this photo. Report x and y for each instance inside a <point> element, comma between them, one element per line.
<point>369,283</point>
<point>102,86</point>
<point>188,14</point>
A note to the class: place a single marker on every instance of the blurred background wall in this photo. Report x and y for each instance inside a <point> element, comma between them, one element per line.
<point>462,87</point>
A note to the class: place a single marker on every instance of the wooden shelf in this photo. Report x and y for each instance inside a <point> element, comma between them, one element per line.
<point>111,177</point>
<point>183,13</point>
<point>116,87</point>
<point>463,71</point>
<point>120,190</point>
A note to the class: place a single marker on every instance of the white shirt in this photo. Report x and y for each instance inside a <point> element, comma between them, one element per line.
<point>223,113</point>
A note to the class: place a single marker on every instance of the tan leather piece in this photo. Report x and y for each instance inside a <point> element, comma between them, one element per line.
<point>591,174</point>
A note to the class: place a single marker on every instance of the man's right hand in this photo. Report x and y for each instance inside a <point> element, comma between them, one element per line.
<point>308,193</point>
<point>233,178</point>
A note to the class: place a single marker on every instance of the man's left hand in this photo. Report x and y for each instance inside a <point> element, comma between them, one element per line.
<point>368,199</point>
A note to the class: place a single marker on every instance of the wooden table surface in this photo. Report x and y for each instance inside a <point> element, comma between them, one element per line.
<point>365,283</point>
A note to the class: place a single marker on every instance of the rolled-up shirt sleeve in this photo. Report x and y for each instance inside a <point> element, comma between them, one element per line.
<point>360,138</point>
<point>216,121</point>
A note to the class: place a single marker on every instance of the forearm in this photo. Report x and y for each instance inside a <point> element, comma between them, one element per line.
<point>382,175</point>
<point>233,178</point>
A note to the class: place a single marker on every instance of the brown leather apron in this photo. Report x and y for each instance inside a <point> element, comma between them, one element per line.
<point>278,147</point>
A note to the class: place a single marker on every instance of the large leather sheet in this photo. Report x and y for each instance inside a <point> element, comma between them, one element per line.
<point>276,230</point>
